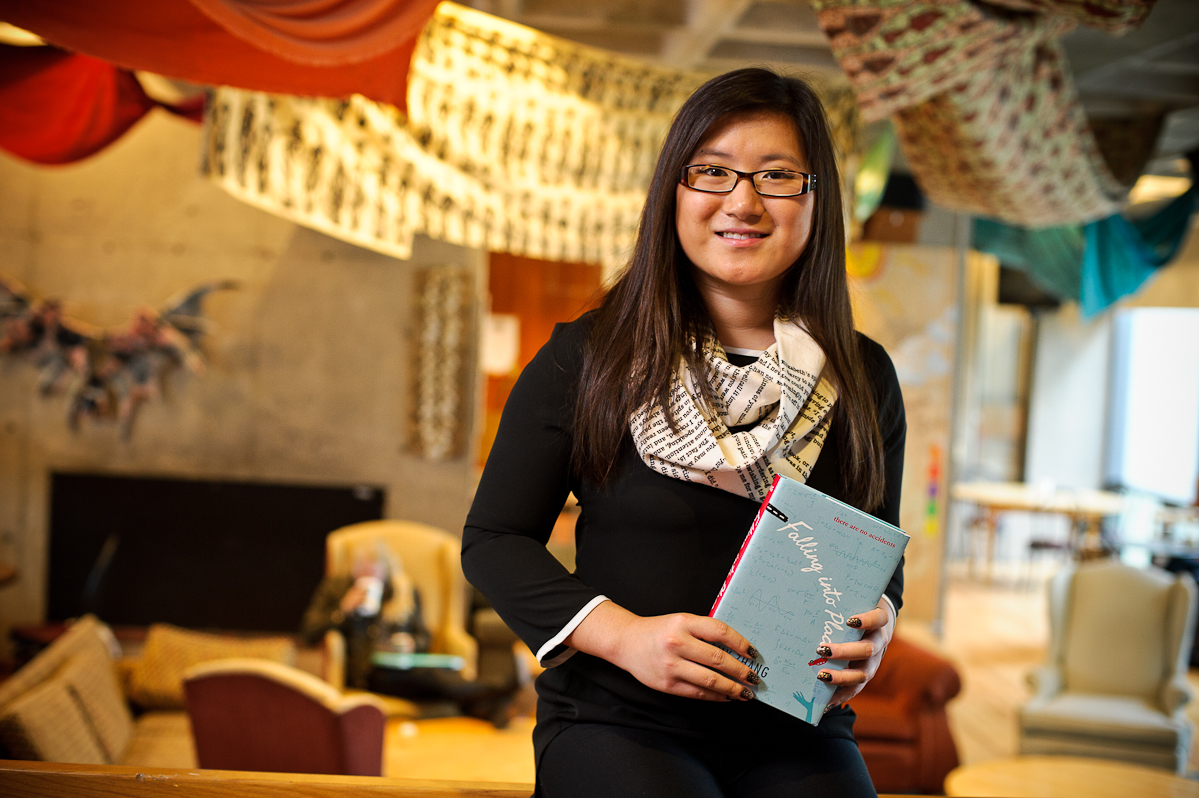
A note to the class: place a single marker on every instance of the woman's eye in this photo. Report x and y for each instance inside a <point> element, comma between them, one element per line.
<point>781,175</point>
<point>713,171</point>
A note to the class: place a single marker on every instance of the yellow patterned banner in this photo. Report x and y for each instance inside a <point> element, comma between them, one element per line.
<point>516,141</point>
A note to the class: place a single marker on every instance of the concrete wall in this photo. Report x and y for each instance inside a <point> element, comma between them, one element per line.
<point>310,369</point>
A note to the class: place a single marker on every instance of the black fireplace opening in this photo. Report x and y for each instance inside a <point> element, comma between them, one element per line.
<point>200,554</point>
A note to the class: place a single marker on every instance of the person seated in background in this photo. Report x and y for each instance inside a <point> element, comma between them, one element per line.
<point>377,608</point>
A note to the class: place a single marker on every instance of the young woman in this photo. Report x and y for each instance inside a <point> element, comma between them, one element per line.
<point>724,355</point>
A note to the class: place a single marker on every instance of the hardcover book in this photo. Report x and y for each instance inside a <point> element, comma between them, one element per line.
<point>808,563</point>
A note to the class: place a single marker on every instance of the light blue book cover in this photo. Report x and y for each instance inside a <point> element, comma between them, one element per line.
<point>808,563</point>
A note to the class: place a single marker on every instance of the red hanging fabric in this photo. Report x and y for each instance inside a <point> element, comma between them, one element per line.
<point>177,39</point>
<point>57,107</point>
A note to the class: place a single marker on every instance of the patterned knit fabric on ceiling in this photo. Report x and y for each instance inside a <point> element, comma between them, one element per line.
<point>985,110</point>
<point>516,141</point>
<point>1110,16</point>
<point>1011,142</point>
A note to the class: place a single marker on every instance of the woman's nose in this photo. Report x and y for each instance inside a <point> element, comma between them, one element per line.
<point>744,201</point>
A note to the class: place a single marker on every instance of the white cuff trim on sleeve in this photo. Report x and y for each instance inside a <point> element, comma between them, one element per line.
<point>891,604</point>
<point>564,633</point>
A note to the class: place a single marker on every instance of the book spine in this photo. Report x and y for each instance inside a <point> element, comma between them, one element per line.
<point>744,545</point>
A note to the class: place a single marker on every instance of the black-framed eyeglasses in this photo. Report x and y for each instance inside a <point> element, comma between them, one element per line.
<point>713,179</point>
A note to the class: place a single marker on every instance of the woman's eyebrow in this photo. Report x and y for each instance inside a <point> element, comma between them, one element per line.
<point>774,156</point>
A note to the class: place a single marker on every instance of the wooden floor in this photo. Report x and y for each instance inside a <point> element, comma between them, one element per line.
<point>997,630</point>
<point>994,632</point>
<point>460,749</point>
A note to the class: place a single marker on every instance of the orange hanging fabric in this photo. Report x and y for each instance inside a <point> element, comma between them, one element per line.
<point>320,32</point>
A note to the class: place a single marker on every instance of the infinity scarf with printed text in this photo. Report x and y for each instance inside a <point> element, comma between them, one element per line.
<point>786,394</point>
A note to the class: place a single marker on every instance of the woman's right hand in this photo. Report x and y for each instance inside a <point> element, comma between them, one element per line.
<point>671,653</point>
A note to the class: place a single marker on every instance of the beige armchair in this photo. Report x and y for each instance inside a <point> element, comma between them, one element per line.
<point>431,557</point>
<point>1115,684</point>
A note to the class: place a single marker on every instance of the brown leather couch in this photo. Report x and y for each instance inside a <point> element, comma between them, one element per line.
<point>902,729</point>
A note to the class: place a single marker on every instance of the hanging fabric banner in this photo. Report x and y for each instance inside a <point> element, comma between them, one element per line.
<point>355,170</point>
<point>1052,256</point>
<point>899,53</point>
<point>329,48</point>
<point>1094,264</point>
<point>58,107</point>
<point>1110,16</point>
<point>327,33</point>
<point>1121,255</point>
<point>985,110</point>
<point>1011,142</point>
<point>516,141</point>
<point>871,179</point>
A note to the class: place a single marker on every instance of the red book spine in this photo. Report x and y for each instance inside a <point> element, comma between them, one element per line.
<point>744,546</point>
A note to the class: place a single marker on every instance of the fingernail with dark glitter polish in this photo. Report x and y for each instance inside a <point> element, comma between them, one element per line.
<point>753,678</point>
<point>824,676</point>
<point>855,623</point>
<point>746,693</point>
<point>753,653</point>
<point>824,651</point>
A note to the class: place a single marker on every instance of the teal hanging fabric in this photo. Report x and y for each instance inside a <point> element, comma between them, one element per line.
<point>1121,255</point>
<point>1051,256</point>
<point>1111,265</point>
<point>1095,264</point>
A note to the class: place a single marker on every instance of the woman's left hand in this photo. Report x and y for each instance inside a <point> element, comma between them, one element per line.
<point>864,656</point>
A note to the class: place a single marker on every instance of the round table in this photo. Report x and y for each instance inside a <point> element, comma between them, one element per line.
<point>1065,777</point>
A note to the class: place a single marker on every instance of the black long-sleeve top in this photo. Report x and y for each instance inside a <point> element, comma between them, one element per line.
<point>653,544</point>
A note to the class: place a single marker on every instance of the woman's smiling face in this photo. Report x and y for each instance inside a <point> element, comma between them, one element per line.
<point>741,241</point>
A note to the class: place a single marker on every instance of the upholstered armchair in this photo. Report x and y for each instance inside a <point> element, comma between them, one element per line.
<point>902,727</point>
<point>252,714</point>
<point>431,557</point>
<point>1115,684</point>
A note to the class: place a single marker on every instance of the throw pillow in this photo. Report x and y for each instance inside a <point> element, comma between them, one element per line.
<point>157,678</point>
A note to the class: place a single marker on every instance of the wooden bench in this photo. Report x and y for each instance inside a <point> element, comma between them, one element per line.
<point>51,780</point>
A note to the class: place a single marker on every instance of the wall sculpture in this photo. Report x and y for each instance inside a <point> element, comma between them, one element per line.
<point>106,374</point>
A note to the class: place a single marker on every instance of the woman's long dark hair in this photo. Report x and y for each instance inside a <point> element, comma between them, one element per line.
<point>655,315</point>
